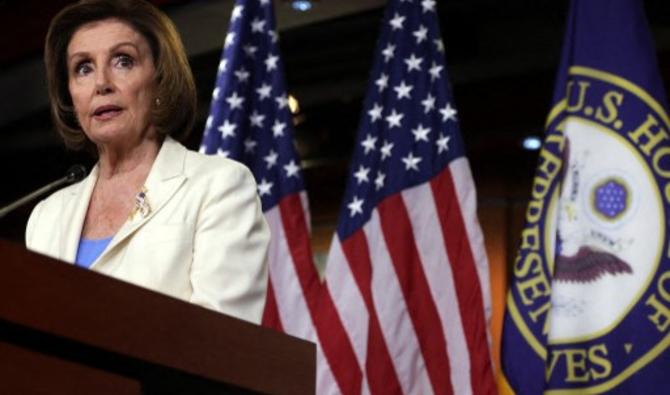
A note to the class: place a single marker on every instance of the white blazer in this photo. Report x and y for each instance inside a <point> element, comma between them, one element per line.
<point>205,240</point>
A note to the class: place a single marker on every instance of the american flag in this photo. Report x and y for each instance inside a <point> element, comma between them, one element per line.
<point>250,121</point>
<point>407,269</point>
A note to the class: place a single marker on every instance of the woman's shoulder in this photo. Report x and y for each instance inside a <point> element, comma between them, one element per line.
<point>214,166</point>
<point>62,196</point>
<point>49,212</point>
<point>54,205</point>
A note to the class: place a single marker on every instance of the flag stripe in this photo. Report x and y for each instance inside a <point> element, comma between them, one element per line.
<point>466,281</point>
<point>326,383</point>
<point>348,300</point>
<point>467,199</point>
<point>331,335</point>
<point>380,372</point>
<point>292,309</point>
<point>304,202</point>
<point>396,323</point>
<point>337,348</point>
<point>297,238</point>
<point>397,231</point>
<point>271,314</point>
<point>424,218</point>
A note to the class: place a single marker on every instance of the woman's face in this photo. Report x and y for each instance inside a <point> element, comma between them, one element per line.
<point>111,82</point>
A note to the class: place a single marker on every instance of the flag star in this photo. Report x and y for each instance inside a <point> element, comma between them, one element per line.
<point>273,36</point>
<point>265,187</point>
<point>208,123</point>
<point>264,91</point>
<point>235,101</point>
<point>435,71</point>
<point>257,25</point>
<point>411,162</point>
<point>382,82</point>
<point>242,74</point>
<point>202,149</point>
<point>413,63</point>
<point>394,119</point>
<point>282,101</point>
<point>397,21</point>
<point>256,119</point>
<point>375,113</point>
<point>222,65</point>
<point>428,5</point>
<point>421,34</point>
<point>271,62</point>
<point>291,169</point>
<point>448,113</point>
<point>278,128</point>
<point>442,143</point>
<point>249,144</point>
<point>362,174</point>
<point>271,159</point>
<point>379,181</point>
<point>230,39</point>
<point>369,143</point>
<point>227,129</point>
<point>356,206</point>
<point>428,103</point>
<point>439,45</point>
<point>388,52</point>
<point>403,90</point>
<point>215,93</point>
<point>222,152</point>
<point>420,133</point>
<point>386,149</point>
<point>250,50</point>
<point>237,12</point>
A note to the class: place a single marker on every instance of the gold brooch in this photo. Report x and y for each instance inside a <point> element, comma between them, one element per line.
<point>141,204</point>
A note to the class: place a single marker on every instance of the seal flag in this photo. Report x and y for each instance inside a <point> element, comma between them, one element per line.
<point>588,308</point>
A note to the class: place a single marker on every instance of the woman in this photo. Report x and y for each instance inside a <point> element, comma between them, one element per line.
<point>151,212</point>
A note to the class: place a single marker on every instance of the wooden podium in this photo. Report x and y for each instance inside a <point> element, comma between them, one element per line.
<point>66,330</point>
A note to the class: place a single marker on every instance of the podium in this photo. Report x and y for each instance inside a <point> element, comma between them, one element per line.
<point>66,330</point>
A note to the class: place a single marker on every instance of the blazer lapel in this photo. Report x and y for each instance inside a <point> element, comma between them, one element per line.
<point>75,209</point>
<point>165,178</point>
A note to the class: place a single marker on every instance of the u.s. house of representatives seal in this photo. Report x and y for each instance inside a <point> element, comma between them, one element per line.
<point>592,277</point>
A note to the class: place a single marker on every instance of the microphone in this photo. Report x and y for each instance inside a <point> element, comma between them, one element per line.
<point>73,174</point>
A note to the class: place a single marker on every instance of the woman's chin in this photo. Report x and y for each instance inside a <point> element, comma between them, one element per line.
<point>110,138</point>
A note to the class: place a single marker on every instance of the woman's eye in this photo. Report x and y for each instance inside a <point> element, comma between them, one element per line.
<point>124,61</point>
<point>82,68</point>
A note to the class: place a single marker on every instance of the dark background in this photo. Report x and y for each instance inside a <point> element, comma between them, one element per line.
<point>502,56</point>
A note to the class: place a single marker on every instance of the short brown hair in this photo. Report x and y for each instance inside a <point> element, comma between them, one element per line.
<point>174,80</point>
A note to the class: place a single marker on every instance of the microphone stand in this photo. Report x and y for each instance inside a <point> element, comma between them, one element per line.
<point>74,174</point>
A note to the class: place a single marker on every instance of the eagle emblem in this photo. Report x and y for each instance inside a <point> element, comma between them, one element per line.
<point>585,252</point>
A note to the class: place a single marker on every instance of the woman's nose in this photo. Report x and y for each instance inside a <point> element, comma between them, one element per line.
<point>103,84</point>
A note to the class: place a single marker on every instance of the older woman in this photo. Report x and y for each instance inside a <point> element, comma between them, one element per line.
<point>151,212</point>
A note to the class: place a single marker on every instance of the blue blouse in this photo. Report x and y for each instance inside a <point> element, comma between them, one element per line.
<point>89,250</point>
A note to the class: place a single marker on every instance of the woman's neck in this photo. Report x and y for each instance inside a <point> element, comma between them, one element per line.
<point>115,161</point>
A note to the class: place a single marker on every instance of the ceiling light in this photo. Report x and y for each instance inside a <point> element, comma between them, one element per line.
<point>301,5</point>
<point>293,104</point>
<point>532,143</point>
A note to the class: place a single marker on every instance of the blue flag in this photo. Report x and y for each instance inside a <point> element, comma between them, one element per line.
<point>588,309</point>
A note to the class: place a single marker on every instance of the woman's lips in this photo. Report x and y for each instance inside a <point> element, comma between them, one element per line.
<point>103,113</point>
